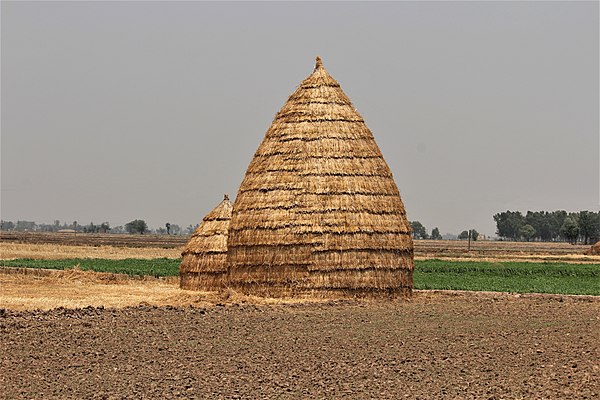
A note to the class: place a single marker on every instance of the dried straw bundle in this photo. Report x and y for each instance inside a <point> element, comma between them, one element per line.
<point>318,209</point>
<point>204,257</point>
<point>594,250</point>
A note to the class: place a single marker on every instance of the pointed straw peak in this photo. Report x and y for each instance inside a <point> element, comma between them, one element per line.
<point>319,63</point>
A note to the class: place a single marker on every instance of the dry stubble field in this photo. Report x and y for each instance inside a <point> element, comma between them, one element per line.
<point>149,339</point>
<point>142,246</point>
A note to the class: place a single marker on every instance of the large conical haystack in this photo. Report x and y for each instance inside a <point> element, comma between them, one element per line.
<point>318,209</point>
<point>204,258</point>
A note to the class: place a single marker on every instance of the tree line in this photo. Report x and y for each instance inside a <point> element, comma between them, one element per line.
<point>137,226</point>
<point>574,227</point>
<point>420,232</point>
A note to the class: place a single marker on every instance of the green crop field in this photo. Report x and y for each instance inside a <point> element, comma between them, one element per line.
<point>517,277</point>
<point>132,266</point>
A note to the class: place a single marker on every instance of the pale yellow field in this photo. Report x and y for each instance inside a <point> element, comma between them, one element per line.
<point>27,289</point>
<point>9,251</point>
<point>26,292</point>
<point>424,249</point>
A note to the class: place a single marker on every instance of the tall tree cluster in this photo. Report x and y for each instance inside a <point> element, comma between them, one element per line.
<point>418,230</point>
<point>582,226</point>
<point>136,226</point>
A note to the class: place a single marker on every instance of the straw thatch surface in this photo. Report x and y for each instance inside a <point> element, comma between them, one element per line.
<point>594,250</point>
<point>205,255</point>
<point>318,208</point>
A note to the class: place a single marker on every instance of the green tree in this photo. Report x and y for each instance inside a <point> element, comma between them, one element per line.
<point>570,229</point>
<point>7,225</point>
<point>589,226</point>
<point>104,227</point>
<point>25,226</point>
<point>464,235</point>
<point>45,227</point>
<point>557,219</point>
<point>527,232</point>
<point>435,234</point>
<point>508,224</point>
<point>418,230</point>
<point>541,223</point>
<point>91,228</point>
<point>136,226</point>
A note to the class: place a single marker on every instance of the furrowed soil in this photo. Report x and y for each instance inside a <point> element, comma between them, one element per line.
<point>478,345</point>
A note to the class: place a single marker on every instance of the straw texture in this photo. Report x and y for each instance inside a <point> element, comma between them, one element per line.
<point>594,250</point>
<point>204,266</point>
<point>318,209</point>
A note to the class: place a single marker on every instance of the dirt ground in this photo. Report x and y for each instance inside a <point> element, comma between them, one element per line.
<point>438,345</point>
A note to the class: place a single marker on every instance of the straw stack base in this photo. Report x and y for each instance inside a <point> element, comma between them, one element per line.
<point>201,281</point>
<point>368,283</point>
<point>191,279</point>
<point>312,293</point>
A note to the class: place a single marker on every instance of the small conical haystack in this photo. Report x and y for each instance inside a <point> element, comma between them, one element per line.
<point>594,250</point>
<point>204,258</point>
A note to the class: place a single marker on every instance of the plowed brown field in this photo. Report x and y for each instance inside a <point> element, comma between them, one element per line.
<point>463,346</point>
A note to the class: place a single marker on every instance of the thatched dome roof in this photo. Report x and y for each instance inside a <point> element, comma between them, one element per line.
<point>204,257</point>
<point>318,207</point>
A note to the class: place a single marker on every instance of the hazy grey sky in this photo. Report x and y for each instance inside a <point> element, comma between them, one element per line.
<point>113,111</point>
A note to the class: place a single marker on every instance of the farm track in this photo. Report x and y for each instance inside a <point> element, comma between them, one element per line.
<point>435,346</point>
